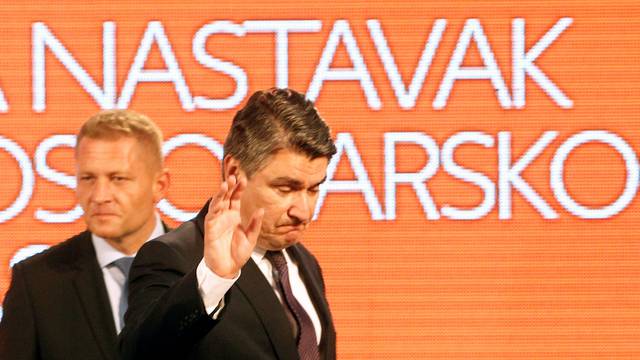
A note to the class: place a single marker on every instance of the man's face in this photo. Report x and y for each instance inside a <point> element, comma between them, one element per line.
<point>287,189</point>
<point>117,188</point>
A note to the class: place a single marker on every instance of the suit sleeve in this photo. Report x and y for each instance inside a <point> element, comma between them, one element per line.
<point>166,317</point>
<point>17,328</point>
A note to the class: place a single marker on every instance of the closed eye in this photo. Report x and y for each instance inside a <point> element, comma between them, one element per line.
<point>284,189</point>
<point>119,178</point>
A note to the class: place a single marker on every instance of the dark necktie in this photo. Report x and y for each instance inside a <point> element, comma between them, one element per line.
<point>306,341</point>
<point>121,274</point>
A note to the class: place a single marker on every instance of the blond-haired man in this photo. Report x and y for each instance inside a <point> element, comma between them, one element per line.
<point>68,302</point>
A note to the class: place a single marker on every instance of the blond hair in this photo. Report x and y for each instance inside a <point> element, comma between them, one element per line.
<point>115,124</point>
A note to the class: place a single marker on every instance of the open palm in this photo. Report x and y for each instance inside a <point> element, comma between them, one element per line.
<point>227,244</point>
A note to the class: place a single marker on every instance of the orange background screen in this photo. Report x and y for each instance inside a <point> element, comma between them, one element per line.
<point>484,201</point>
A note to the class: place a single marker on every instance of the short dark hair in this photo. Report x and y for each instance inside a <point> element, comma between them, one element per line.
<point>277,119</point>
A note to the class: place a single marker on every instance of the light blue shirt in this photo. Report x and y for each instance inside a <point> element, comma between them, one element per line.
<point>106,254</point>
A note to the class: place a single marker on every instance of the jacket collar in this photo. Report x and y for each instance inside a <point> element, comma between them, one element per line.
<point>89,285</point>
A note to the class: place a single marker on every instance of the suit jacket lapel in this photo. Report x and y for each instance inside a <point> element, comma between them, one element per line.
<point>261,296</point>
<point>92,293</point>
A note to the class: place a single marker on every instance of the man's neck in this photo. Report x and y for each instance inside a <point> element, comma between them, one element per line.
<point>130,243</point>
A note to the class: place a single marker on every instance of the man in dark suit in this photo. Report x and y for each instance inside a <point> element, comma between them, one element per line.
<point>235,283</point>
<point>68,302</point>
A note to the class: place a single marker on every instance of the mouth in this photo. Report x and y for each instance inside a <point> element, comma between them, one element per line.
<point>103,215</point>
<point>285,229</point>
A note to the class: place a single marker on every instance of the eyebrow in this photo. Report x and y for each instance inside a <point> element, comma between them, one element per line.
<point>111,173</point>
<point>285,180</point>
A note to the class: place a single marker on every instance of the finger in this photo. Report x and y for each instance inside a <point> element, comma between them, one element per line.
<point>215,204</point>
<point>253,229</point>
<point>225,189</point>
<point>232,182</point>
<point>245,240</point>
<point>237,194</point>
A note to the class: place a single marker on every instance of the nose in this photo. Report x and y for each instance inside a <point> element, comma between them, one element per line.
<point>101,192</point>
<point>301,208</point>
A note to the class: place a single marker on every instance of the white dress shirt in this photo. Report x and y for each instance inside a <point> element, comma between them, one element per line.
<point>213,287</point>
<point>106,254</point>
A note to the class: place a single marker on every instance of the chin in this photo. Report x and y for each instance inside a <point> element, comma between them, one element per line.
<point>291,240</point>
<point>281,242</point>
<point>105,232</point>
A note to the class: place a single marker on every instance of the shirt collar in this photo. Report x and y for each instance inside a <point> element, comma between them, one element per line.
<point>106,254</point>
<point>258,255</point>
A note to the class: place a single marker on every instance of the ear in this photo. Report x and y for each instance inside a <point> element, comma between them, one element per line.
<point>231,166</point>
<point>161,184</point>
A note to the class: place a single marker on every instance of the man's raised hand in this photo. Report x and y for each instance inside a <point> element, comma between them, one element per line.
<point>227,243</point>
